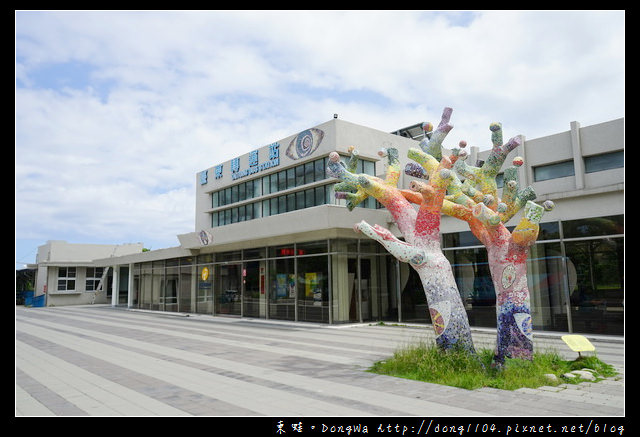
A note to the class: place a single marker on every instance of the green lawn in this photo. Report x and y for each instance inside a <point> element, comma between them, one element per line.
<point>460,369</point>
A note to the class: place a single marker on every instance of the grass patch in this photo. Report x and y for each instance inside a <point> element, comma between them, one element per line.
<point>459,369</point>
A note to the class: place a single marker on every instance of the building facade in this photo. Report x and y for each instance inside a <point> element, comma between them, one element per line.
<point>272,241</point>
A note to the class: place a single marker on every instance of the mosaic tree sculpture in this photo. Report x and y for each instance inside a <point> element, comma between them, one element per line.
<point>421,230</point>
<point>476,201</point>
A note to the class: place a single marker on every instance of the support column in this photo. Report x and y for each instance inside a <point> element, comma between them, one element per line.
<point>578,164</point>
<point>130,290</point>
<point>115,286</point>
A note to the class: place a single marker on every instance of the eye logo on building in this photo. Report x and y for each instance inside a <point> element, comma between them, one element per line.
<point>305,143</point>
<point>205,237</point>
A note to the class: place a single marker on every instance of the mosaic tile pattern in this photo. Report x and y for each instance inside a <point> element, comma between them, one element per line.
<point>420,228</point>
<point>476,201</point>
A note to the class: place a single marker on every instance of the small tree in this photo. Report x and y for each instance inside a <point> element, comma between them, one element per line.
<point>420,228</point>
<point>476,201</point>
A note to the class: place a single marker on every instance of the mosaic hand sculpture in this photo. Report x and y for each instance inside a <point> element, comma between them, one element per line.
<point>476,201</point>
<point>421,230</point>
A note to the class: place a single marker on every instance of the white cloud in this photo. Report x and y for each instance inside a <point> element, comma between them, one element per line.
<point>117,111</point>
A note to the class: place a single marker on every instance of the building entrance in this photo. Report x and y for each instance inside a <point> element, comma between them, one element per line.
<point>228,289</point>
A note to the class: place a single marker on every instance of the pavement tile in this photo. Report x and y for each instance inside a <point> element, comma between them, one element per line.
<point>212,366</point>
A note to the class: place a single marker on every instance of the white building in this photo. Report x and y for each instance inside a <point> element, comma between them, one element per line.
<point>271,241</point>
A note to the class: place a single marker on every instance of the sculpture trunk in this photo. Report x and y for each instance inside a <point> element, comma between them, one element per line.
<point>448,315</point>
<point>508,265</point>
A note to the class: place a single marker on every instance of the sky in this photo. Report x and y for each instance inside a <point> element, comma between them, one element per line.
<point>117,111</point>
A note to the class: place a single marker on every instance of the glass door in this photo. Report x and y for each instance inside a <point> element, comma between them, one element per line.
<point>253,276</point>
<point>228,290</point>
<point>204,291</point>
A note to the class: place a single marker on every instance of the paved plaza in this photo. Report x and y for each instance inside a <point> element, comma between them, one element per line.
<point>102,361</point>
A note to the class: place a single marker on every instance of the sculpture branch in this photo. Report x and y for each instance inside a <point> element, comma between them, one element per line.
<point>421,230</point>
<point>476,201</point>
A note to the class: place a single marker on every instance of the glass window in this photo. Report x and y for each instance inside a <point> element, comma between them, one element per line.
<point>254,253</point>
<point>214,199</point>
<point>309,198</point>
<point>214,219</point>
<point>460,239</point>
<point>300,175</point>
<point>242,192</point>
<point>273,183</point>
<point>234,215</point>
<point>249,211</point>
<point>596,287</point>
<point>312,247</point>
<point>227,196</point>
<point>66,279</point>
<point>473,277</point>
<point>553,171</point>
<point>282,290</point>
<point>265,185</point>
<point>279,251</point>
<point>234,194</point>
<point>204,285</point>
<point>146,285</point>
<point>319,169</point>
<point>604,161</point>
<point>309,174</point>
<point>291,202</point>
<point>282,180</point>
<point>369,167</point>
<point>591,227</point>
<point>291,177</point>
<point>266,208</point>
<point>257,187</point>
<point>273,202</point>
<point>235,255</point>
<point>319,195</point>
<point>282,204</point>
<point>257,210</point>
<point>300,200</point>
<point>313,288</point>
<point>549,231</point>
<point>242,213</point>
<point>329,196</point>
<point>206,258</point>
<point>227,216</point>
<point>369,246</point>
<point>94,274</point>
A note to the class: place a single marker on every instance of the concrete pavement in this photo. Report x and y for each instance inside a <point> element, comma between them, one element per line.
<point>102,361</point>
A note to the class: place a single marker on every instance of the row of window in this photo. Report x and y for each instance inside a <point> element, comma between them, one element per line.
<point>67,278</point>
<point>320,195</point>
<point>579,228</point>
<point>307,173</point>
<point>605,161</point>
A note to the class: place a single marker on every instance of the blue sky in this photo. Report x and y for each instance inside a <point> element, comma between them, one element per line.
<point>116,111</point>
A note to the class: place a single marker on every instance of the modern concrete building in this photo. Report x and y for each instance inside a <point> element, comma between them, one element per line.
<point>271,241</point>
<point>67,274</point>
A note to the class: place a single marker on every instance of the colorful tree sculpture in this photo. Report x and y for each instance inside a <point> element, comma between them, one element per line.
<point>476,201</point>
<point>420,228</point>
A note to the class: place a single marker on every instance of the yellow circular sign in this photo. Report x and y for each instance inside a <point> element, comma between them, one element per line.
<point>205,273</point>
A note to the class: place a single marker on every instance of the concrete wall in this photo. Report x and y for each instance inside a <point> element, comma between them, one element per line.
<point>337,135</point>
